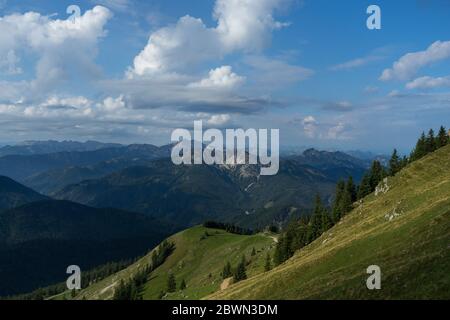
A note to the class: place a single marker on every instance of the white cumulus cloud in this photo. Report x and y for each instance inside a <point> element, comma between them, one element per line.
<point>428,83</point>
<point>222,77</point>
<point>246,24</point>
<point>408,65</point>
<point>242,25</point>
<point>58,44</point>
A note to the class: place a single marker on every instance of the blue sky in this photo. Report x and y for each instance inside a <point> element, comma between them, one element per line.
<point>132,71</point>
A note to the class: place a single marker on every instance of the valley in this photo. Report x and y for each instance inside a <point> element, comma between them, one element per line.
<point>402,227</point>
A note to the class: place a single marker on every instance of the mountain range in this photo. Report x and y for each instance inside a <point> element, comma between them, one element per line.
<point>142,178</point>
<point>192,194</point>
<point>403,228</point>
<point>43,147</point>
<point>96,203</point>
<point>22,167</point>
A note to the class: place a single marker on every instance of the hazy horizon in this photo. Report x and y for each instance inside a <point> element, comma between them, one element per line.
<point>132,71</point>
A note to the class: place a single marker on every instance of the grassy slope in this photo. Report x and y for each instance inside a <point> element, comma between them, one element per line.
<point>412,248</point>
<point>193,260</point>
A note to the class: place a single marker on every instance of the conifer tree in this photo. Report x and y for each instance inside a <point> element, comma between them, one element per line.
<point>253,252</point>
<point>299,235</point>
<point>240,273</point>
<point>347,203</point>
<point>268,265</point>
<point>364,188</point>
<point>171,283</point>
<point>120,293</point>
<point>326,221</point>
<point>349,197</point>
<point>420,149</point>
<point>351,189</point>
<point>183,285</point>
<point>377,174</point>
<point>315,224</point>
<point>442,139</point>
<point>133,291</point>
<point>283,249</point>
<point>394,163</point>
<point>430,145</point>
<point>226,273</point>
<point>337,204</point>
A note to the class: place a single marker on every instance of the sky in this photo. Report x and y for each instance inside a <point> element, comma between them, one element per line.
<point>132,71</point>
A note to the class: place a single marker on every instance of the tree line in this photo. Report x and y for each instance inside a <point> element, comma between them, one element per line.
<point>228,227</point>
<point>430,143</point>
<point>132,289</point>
<point>301,232</point>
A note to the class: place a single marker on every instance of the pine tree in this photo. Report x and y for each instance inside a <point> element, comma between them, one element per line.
<point>351,189</point>
<point>120,293</point>
<point>394,163</point>
<point>240,273</point>
<point>315,224</point>
<point>442,139</point>
<point>347,203</point>
<point>348,197</point>
<point>430,145</point>
<point>420,149</point>
<point>283,249</point>
<point>326,221</point>
<point>226,273</point>
<point>171,283</point>
<point>337,204</point>
<point>299,235</point>
<point>268,265</point>
<point>253,252</point>
<point>364,188</point>
<point>377,174</point>
<point>133,291</point>
<point>182,285</point>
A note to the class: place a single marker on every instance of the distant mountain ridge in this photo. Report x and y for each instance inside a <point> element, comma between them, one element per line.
<point>21,167</point>
<point>51,146</point>
<point>369,156</point>
<point>13,194</point>
<point>237,193</point>
<point>53,180</point>
<point>336,165</point>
